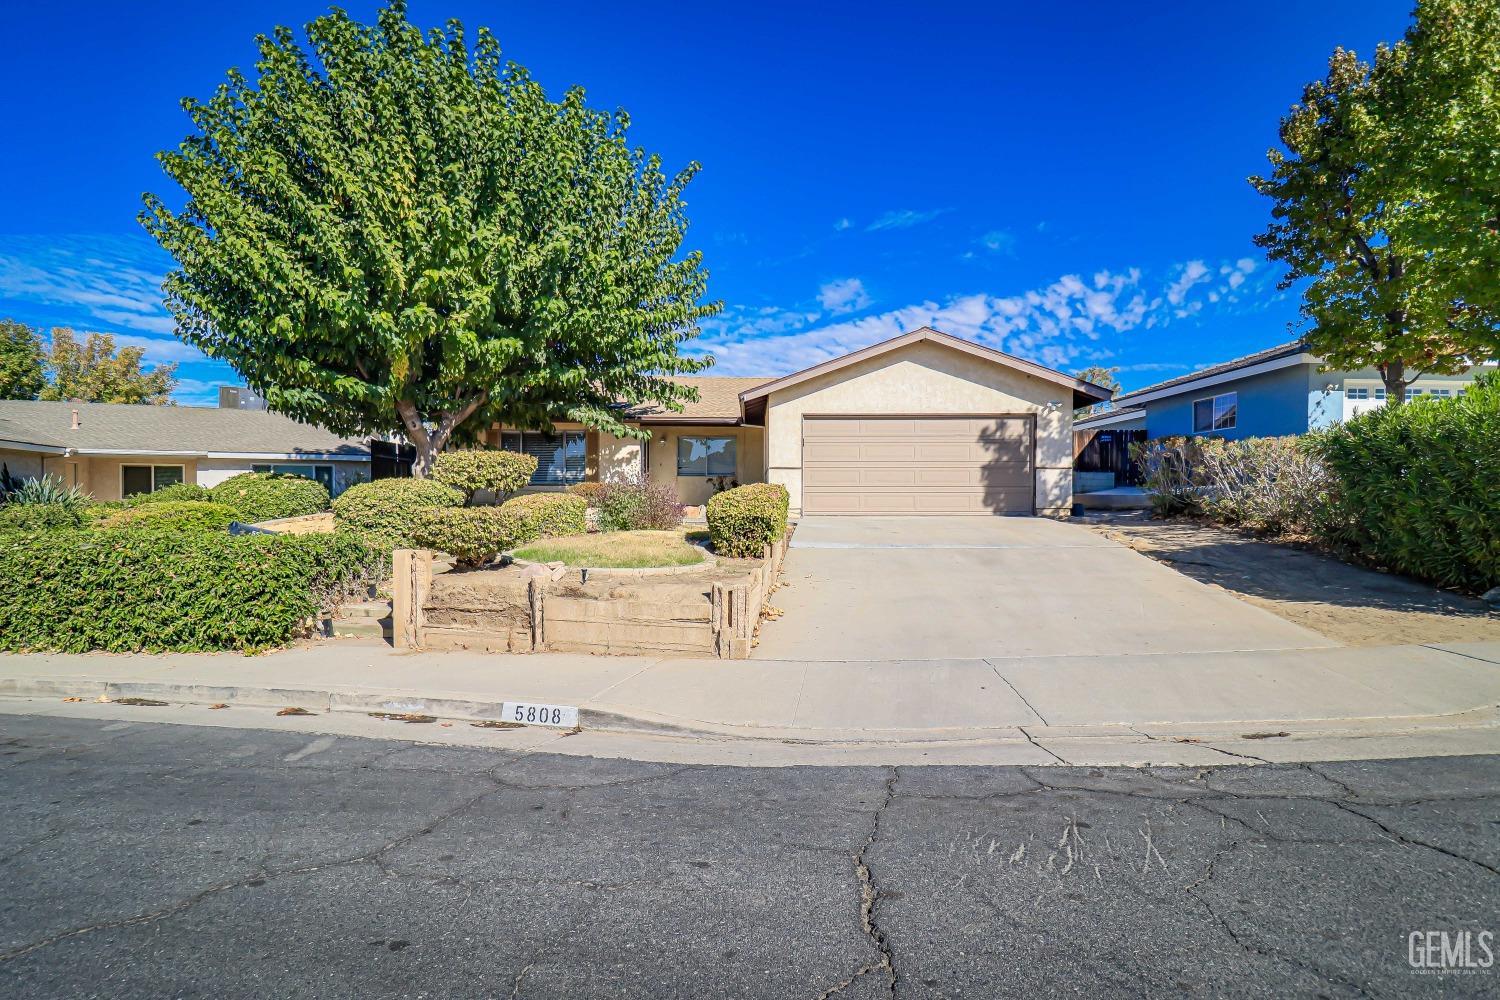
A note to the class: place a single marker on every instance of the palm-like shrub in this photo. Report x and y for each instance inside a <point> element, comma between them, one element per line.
<point>49,490</point>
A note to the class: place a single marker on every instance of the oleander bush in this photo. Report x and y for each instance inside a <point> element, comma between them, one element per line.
<point>1418,486</point>
<point>549,515</point>
<point>638,505</point>
<point>498,472</point>
<point>172,494</point>
<point>132,590</point>
<point>744,520</point>
<point>176,515</point>
<point>588,491</point>
<point>385,511</point>
<point>472,535</point>
<point>265,496</point>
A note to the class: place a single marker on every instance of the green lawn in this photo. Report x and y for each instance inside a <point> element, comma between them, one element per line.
<point>615,550</point>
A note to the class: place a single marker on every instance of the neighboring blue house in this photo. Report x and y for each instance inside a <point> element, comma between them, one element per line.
<point>1270,393</point>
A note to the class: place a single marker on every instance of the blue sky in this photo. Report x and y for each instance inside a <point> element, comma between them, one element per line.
<point>1062,181</point>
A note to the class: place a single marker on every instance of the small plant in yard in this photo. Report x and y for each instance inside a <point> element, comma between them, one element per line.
<point>30,518</point>
<point>589,492</point>
<point>547,515</point>
<point>498,472</point>
<point>48,490</point>
<point>472,535</point>
<point>386,510</point>
<point>638,506</point>
<point>266,496</point>
<point>743,521</point>
<point>172,494</point>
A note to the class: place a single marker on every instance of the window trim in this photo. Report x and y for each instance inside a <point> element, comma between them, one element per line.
<point>1213,420</point>
<point>734,448</point>
<point>182,467</point>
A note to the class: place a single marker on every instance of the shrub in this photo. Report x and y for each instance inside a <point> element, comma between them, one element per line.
<point>1418,486</point>
<point>172,494</point>
<point>29,518</point>
<point>190,515</point>
<point>384,511</point>
<point>1166,473</point>
<point>638,506</point>
<point>49,491</point>
<point>497,472</point>
<point>265,496</point>
<point>744,520</point>
<point>588,491</point>
<point>124,590</point>
<point>548,515</point>
<point>472,535</point>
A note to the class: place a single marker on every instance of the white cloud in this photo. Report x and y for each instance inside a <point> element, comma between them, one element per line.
<point>1193,272</point>
<point>844,295</point>
<point>904,219</point>
<point>842,225</point>
<point>1001,241</point>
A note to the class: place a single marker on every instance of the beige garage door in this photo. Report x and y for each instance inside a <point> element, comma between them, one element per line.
<point>917,465</point>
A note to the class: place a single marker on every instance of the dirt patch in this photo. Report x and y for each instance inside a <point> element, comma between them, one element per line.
<point>1348,604</point>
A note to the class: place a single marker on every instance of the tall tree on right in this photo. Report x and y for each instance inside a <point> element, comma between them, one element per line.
<point>1387,199</point>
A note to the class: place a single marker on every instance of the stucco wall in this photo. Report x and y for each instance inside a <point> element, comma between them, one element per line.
<point>749,456</point>
<point>22,464</point>
<point>927,378</point>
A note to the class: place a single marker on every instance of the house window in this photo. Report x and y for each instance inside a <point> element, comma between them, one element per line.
<point>705,456</point>
<point>322,473</point>
<point>1357,392</point>
<point>559,457</point>
<point>135,479</point>
<point>1380,395</point>
<point>1441,393</point>
<point>1216,413</point>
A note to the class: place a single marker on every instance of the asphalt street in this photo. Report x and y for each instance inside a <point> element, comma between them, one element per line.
<point>143,860</point>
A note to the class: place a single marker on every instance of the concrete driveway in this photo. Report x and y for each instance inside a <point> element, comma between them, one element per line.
<point>916,588</point>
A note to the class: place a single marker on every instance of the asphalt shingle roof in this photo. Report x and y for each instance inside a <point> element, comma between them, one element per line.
<point>1269,354</point>
<point>157,429</point>
<point>718,398</point>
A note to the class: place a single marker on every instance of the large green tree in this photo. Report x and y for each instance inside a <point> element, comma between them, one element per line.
<point>20,361</point>
<point>1387,199</point>
<point>392,231</point>
<point>94,372</point>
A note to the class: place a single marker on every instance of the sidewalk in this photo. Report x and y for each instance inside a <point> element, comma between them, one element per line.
<point>866,702</point>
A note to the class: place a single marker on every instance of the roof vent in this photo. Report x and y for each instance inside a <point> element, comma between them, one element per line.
<point>76,423</point>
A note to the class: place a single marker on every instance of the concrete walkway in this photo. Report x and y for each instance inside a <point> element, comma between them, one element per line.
<point>898,588</point>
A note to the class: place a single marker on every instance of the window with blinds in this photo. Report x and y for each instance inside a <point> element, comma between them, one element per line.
<point>559,457</point>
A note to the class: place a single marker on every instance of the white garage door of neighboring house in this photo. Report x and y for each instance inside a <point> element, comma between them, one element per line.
<point>918,465</point>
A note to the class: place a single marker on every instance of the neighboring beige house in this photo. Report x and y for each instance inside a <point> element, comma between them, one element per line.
<point>114,450</point>
<point>924,423</point>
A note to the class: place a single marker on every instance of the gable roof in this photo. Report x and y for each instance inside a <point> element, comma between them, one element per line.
<point>1121,414</point>
<point>1084,393</point>
<point>1281,352</point>
<point>718,401</point>
<point>124,428</point>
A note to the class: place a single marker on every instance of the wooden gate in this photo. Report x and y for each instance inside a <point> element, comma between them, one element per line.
<point>1107,451</point>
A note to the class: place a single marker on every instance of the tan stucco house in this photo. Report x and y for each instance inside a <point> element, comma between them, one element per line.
<point>114,450</point>
<point>924,423</point>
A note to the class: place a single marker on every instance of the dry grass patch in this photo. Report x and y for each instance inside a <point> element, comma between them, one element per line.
<point>616,550</point>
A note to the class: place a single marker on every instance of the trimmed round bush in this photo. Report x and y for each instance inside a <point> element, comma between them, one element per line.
<point>548,515</point>
<point>385,510</point>
<point>498,472</point>
<point>172,494</point>
<point>472,535</point>
<point>638,506</point>
<point>188,515</point>
<point>590,492</point>
<point>265,496</point>
<point>30,518</point>
<point>744,520</point>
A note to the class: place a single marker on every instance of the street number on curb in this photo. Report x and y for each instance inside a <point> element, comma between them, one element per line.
<point>530,714</point>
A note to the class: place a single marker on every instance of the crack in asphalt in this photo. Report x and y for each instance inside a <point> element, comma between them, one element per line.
<point>869,900</point>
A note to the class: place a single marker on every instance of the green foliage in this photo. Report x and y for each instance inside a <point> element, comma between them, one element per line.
<point>265,496</point>
<point>638,506</point>
<point>392,231</point>
<point>548,515</point>
<point>129,590</point>
<point>27,518</point>
<point>1107,378</point>
<point>472,535</point>
<point>1272,484</point>
<point>1386,198</point>
<point>20,361</point>
<point>499,472</point>
<point>1419,486</point>
<point>744,520</point>
<point>590,492</point>
<point>176,515</point>
<point>172,494</point>
<point>386,510</point>
<point>51,491</point>
<point>95,372</point>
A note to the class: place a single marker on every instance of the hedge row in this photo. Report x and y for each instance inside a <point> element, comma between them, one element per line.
<point>265,496</point>
<point>127,590</point>
<point>744,520</point>
<point>386,511</point>
<point>181,515</point>
<point>476,535</point>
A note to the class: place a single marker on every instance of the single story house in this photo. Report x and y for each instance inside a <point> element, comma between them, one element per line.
<point>923,423</point>
<point>115,450</point>
<point>1278,391</point>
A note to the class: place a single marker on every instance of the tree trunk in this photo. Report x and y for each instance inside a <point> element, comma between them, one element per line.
<point>1393,374</point>
<point>430,442</point>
